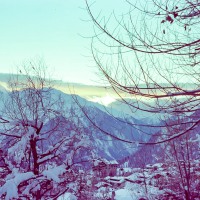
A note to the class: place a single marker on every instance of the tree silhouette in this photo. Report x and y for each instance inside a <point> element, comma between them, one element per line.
<point>150,54</point>
<point>41,146</point>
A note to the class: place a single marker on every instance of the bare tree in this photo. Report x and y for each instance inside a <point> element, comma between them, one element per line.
<point>40,143</point>
<point>151,54</point>
<point>180,154</point>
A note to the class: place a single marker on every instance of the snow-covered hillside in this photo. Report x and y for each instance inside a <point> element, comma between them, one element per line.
<point>105,145</point>
<point>68,147</point>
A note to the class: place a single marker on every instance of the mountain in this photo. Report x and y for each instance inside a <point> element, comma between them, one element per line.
<point>131,109</point>
<point>109,119</point>
<point>106,146</point>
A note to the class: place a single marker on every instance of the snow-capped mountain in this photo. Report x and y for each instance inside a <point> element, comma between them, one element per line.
<point>103,136</point>
<point>103,124</point>
<point>99,124</point>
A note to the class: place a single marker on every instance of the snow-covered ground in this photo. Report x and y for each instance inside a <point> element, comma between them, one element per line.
<point>67,196</point>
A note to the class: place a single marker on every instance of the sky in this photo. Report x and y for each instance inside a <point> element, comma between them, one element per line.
<point>59,33</point>
<point>56,31</point>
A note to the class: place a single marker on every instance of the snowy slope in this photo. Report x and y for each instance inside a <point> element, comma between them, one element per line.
<point>104,145</point>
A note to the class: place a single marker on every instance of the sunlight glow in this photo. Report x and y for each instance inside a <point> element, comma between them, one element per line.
<point>105,100</point>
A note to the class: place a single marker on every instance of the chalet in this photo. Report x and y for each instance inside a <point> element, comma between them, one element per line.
<point>103,168</point>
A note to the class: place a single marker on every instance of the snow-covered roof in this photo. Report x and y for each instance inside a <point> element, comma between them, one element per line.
<point>100,184</point>
<point>127,169</point>
<point>112,162</point>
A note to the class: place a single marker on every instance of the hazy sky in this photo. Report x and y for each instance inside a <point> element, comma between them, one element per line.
<point>51,30</point>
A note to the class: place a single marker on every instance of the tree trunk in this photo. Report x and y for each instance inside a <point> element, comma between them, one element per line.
<point>35,156</point>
